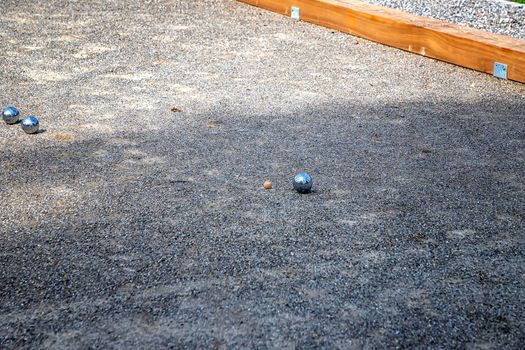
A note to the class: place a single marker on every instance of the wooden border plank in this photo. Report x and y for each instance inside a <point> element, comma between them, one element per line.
<point>429,37</point>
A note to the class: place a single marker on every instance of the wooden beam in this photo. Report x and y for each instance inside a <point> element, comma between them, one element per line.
<point>447,42</point>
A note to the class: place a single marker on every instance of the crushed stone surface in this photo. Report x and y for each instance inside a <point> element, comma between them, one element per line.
<point>137,218</point>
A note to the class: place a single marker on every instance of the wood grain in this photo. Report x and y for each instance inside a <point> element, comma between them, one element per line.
<point>447,42</point>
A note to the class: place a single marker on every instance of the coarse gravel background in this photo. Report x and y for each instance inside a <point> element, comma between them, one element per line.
<point>496,16</point>
<point>127,225</point>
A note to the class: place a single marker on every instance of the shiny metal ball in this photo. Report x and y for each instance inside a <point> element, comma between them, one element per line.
<point>30,125</point>
<point>302,183</point>
<point>10,115</point>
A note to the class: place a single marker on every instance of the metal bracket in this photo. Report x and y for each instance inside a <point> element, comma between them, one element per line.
<point>500,70</point>
<point>296,13</point>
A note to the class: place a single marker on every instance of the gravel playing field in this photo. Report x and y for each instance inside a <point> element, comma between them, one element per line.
<point>125,224</point>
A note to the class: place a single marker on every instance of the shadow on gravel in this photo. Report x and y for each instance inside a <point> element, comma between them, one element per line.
<point>414,236</point>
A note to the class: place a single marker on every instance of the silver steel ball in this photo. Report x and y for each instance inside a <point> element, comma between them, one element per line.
<point>302,183</point>
<point>30,125</point>
<point>10,115</point>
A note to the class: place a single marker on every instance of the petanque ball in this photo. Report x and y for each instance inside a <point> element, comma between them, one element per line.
<point>302,183</point>
<point>30,125</point>
<point>10,115</point>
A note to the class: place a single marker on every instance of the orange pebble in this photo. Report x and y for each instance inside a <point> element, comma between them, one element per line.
<point>267,185</point>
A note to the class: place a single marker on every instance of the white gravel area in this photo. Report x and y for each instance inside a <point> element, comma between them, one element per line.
<point>496,16</point>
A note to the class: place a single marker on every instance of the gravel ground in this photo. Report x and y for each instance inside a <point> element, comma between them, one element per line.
<point>496,16</point>
<point>127,225</point>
